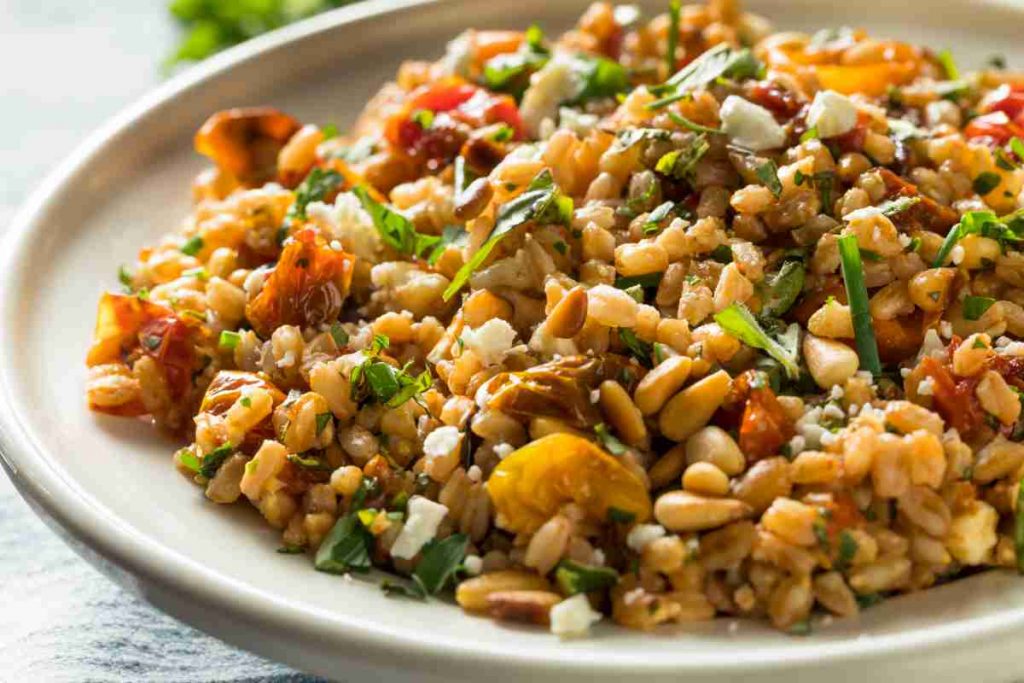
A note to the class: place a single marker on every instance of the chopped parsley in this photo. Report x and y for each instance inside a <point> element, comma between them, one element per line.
<point>721,61</point>
<point>739,322</point>
<point>438,565</point>
<point>574,577</point>
<point>211,462</point>
<point>229,340</point>
<point>976,306</point>
<point>345,548</point>
<point>192,246</point>
<point>608,440</point>
<point>680,163</point>
<point>394,229</point>
<point>781,290</point>
<point>637,348</point>
<point>768,173</point>
<point>314,188</point>
<point>985,182</point>
<point>339,335</point>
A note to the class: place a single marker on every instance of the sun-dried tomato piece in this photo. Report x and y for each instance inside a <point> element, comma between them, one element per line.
<point>756,413</point>
<point>119,318</point>
<point>170,342</point>
<point>900,338</point>
<point>779,101</point>
<point>926,214</point>
<point>307,286</point>
<point>226,388</point>
<point>952,397</point>
<point>245,142</point>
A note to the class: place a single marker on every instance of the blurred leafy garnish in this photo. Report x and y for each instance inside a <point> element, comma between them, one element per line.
<point>212,25</point>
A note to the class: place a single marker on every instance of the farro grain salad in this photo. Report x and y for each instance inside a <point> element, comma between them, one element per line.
<point>659,320</point>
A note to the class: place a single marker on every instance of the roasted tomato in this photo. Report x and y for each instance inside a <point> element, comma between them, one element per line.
<point>245,142</point>
<point>952,397</point>
<point>127,326</point>
<point>926,214</point>
<point>559,389</point>
<point>227,386</point>
<point>996,127</point>
<point>753,409</point>
<point>531,484</point>
<point>307,286</point>
<point>457,107</point>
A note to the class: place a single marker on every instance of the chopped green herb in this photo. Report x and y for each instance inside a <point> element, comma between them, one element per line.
<point>192,246</point>
<point>721,61</point>
<point>997,62</point>
<point>975,306</point>
<point>395,230</point>
<point>211,462</point>
<point>339,335</point>
<point>574,577</point>
<point>986,182</point>
<point>782,289</point>
<point>322,420</point>
<point>229,340</point>
<point>801,628</point>
<point>722,253</point>
<point>629,137</point>
<point>1017,147</point>
<point>291,550</point>
<point>809,134</point>
<point>542,203</point>
<point>945,58</point>
<point>637,292</point>
<point>188,460</point>
<point>314,188</point>
<point>768,173</point>
<point>680,163</point>
<point>674,10</point>
<point>847,549</point>
<point>310,463</point>
<point>637,348</point>
<point>599,77</point>
<point>608,440</point>
<point>439,562</point>
<point>984,223</point>
<point>380,382</point>
<point>681,120</point>
<point>451,236</point>
<point>857,295</point>
<point>660,213</point>
<point>246,402</point>
<point>424,118</point>
<point>125,277</point>
<point>869,600</point>
<point>510,72</point>
<point>738,321</point>
<point>561,247</point>
<point>645,281</point>
<point>345,548</point>
<point>329,131</point>
<point>620,516</point>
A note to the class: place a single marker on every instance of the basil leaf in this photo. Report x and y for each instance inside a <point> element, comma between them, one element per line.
<point>600,77</point>
<point>439,562</point>
<point>317,185</point>
<point>637,348</point>
<point>345,548</point>
<point>768,173</point>
<point>721,61</point>
<point>680,163</point>
<point>395,230</point>
<point>738,321</point>
<point>985,183</point>
<point>192,246</point>
<point>542,202</point>
<point>783,289</point>
<point>984,223</point>
<point>629,137</point>
<point>451,236</point>
<point>975,306</point>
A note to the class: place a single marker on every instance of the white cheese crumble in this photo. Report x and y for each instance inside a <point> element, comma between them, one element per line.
<point>503,450</point>
<point>473,564</point>
<point>750,125</point>
<point>577,121</point>
<point>424,518</point>
<point>555,83</point>
<point>491,341</point>
<point>346,222</point>
<point>957,255</point>
<point>832,114</point>
<point>573,616</point>
<point>642,534</point>
<point>474,473</point>
<point>945,329</point>
<point>926,387</point>
<point>441,442</point>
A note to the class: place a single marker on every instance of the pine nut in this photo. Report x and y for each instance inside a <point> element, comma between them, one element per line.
<point>618,407</point>
<point>568,316</point>
<point>661,383</point>
<point>682,511</point>
<point>691,408</point>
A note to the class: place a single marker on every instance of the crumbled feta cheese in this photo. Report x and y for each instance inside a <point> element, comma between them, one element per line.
<point>597,558</point>
<point>503,450</point>
<point>458,55</point>
<point>1015,348</point>
<point>926,386</point>
<point>424,517</point>
<point>642,534</point>
<point>573,616</point>
<point>836,393</point>
<point>946,329</point>
<point>555,83</point>
<point>595,395</point>
<point>828,438</point>
<point>473,564</point>
<point>932,345</point>
<point>905,372</point>
<point>832,114</point>
<point>474,473</point>
<point>833,411</point>
<point>797,445</point>
<point>577,121</point>
<point>491,341</point>
<point>346,222</point>
<point>441,442</point>
<point>957,254</point>
<point>750,125</point>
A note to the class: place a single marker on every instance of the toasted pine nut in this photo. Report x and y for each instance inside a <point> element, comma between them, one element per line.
<point>568,316</point>
<point>661,383</point>
<point>531,606</point>
<point>714,445</point>
<point>618,407</point>
<point>703,478</point>
<point>691,408</point>
<point>472,593</point>
<point>682,511</point>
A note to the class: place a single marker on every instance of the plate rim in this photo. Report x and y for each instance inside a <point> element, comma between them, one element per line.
<point>72,507</point>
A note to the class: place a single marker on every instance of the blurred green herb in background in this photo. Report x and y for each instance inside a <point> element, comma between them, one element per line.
<point>213,25</point>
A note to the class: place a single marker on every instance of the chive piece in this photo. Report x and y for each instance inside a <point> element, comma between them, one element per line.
<point>809,134</point>
<point>229,340</point>
<point>188,460</point>
<point>681,120</point>
<point>638,348</point>
<point>738,321</point>
<point>291,550</point>
<point>1017,147</point>
<point>330,131</point>
<point>648,280</point>
<point>768,173</point>
<point>975,306</point>
<point>945,58</point>
<point>322,421</point>
<point>985,183</point>
<point>857,295</point>
<point>192,246</point>
<point>125,277</point>
<point>211,462</point>
<point>674,10</point>
<point>619,516</point>
<point>783,289</point>
<point>1018,530</point>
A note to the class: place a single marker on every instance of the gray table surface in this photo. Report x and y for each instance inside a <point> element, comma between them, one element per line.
<point>67,67</point>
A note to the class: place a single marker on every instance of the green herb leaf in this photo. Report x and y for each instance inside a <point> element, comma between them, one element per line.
<point>380,382</point>
<point>629,137</point>
<point>395,230</point>
<point>782,289</point>
<point>125,277</point>
<point>339,335</point>
<point>1017,147</point>
<point>903,130</point>
<point>721,61</point>
<point>451,236</point>
<point>857,295</point>
<point>637,348</point>
<point>309,463</point>
<point>439,562</point>
<point>986,182</point>
<point>768,173</point>
<point>984,223</point>
<point>681,163</point>
<point>738,321</point>
<point>510,73</point>
<point>291,550</point>
<point>646,281</point>
<point>345,548</point>
<point>847,550</point>
<point>314,188</point>
<point>608,440</point>
<point>975,306</point>
<point>620,516</point>
<point>660,213</point>
<point>192,246</point>
<point>945,58</point>
<point>542,203</point>
<point>681,120</point>
<point>211,462</point>
<point>189,460</point>
<point>600,78</point>
<point>322,421</point>
<point>574,577</point>
<point>809,134</point>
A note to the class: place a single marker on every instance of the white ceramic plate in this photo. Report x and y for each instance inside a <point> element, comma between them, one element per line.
<point>109,483</point>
